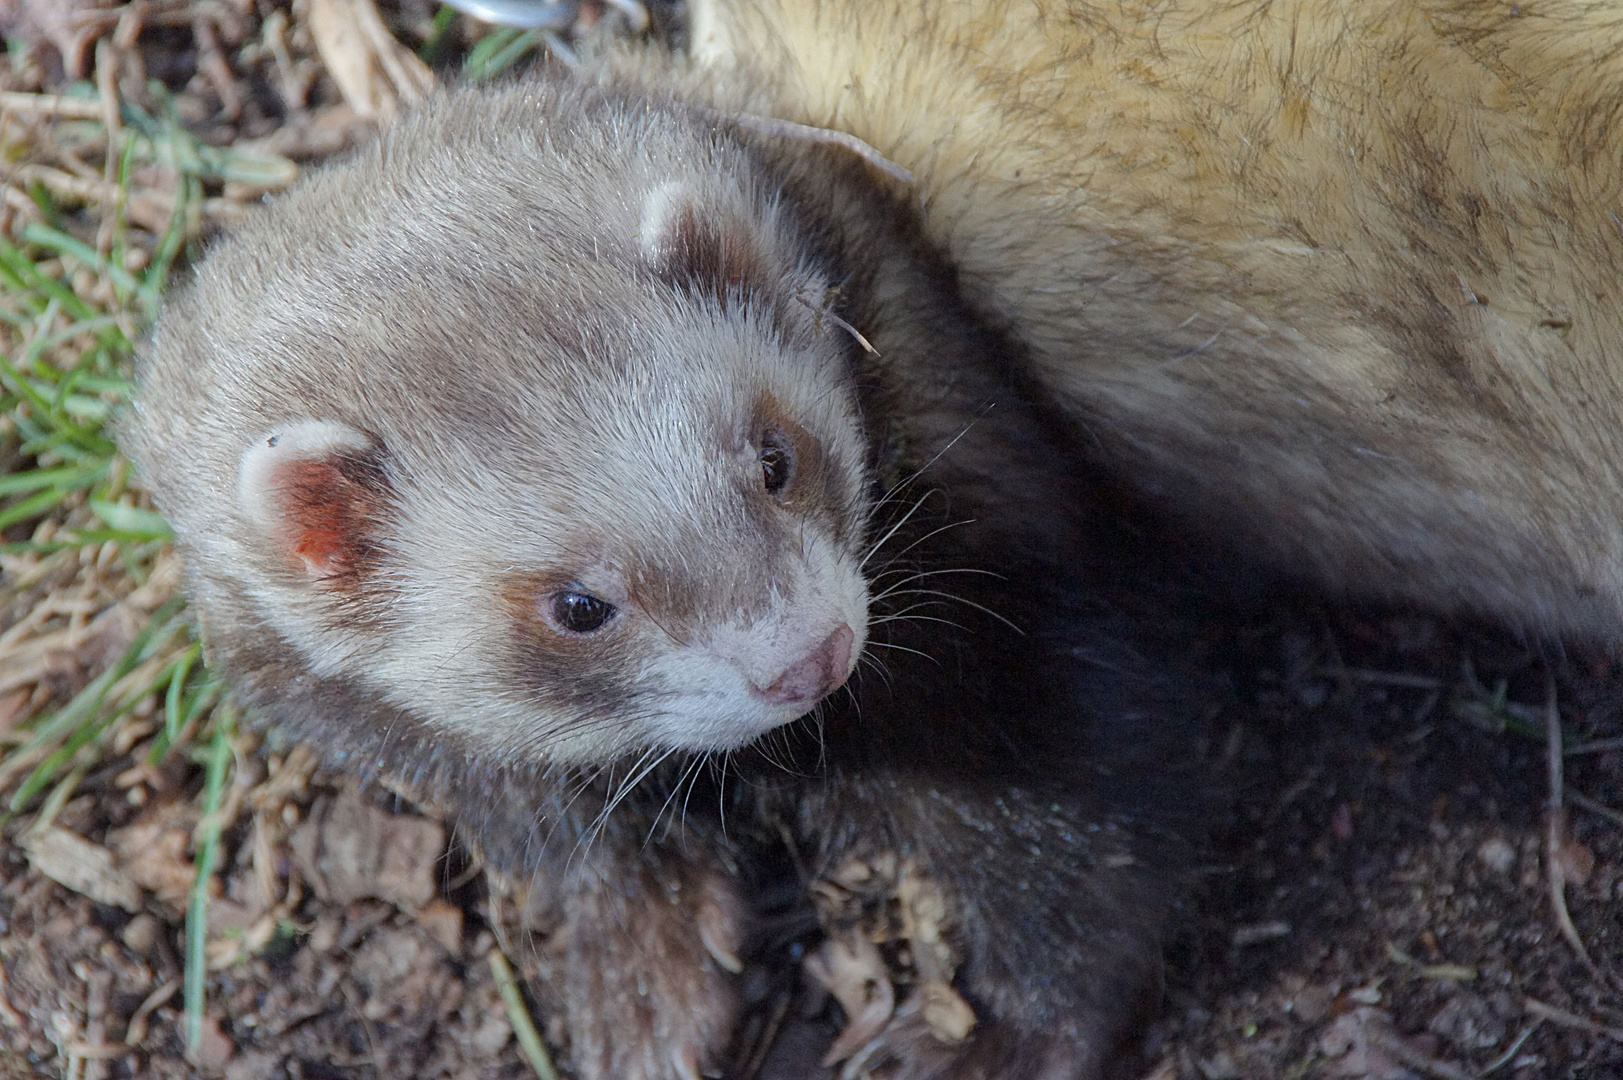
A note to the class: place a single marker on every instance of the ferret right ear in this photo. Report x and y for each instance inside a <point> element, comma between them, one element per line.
<point>318,491</point>
<point>698,251</point>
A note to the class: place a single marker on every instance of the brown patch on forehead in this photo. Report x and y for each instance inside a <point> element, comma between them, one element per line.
<point>713,258</point>
<point>730,563</point>
<point>730,560</point>
<point>681,601</point>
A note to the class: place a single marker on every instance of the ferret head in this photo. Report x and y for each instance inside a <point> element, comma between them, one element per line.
<point>529,421</point>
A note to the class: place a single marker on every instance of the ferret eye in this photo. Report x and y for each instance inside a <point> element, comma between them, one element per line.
<point>580,612</point>
<point>777,461</point>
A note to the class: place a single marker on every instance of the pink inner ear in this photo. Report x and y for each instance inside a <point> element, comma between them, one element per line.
<point>329,517</point>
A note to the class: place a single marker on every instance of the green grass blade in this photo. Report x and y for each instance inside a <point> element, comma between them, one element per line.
<point>31,507</point>
<point>131,521</point>
<point>64,478</point>
<point>177,684</point>
<point>54,240</point>
<point>208,854</point>
<point>80,721</point>
<point>498,51</point>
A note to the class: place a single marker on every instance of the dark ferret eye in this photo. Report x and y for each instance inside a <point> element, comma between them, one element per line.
<point>777,461</point>
<point>580,612</point>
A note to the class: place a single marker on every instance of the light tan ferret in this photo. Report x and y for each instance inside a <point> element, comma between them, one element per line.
<point>1335,282</point>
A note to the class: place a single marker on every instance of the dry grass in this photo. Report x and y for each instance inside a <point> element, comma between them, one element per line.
<point>129,134</point>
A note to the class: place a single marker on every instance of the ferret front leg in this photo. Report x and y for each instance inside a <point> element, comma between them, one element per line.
<point>652,937</point>
<point>1051,913</point>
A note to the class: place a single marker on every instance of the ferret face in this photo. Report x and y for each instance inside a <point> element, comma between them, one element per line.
<point>569,467</point>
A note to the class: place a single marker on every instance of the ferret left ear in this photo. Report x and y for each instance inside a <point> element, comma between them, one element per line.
<point>318,492</point>
<point>698,251</point>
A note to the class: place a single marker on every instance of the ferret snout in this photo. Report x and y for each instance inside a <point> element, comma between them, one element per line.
<point>813,678</point>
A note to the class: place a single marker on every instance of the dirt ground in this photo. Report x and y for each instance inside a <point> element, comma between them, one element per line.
<point>1378,902</point>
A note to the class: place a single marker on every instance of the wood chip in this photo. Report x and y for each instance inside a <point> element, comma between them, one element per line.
<point>948,1016</point>
<point>443,921</point>
<point>213,1049</point>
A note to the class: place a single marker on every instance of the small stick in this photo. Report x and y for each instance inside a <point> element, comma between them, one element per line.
<point>1597,747</point>
<point>1571,1020</point>
<point>1383,678</point>
<point>107,63</point>
<point>1594,807</point>
<point>1499,1062</point>
<point>35,106</point>
<point>1556,826</point>
<point>136,1033</point>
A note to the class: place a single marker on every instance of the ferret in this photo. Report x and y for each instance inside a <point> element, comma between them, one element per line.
<point>584,430</point>
<point>560,433</point>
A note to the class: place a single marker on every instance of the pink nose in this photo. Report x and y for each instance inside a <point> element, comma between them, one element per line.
<point>808,681</point>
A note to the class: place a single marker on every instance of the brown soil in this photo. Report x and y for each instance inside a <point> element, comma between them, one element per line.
<point>1380,903</point>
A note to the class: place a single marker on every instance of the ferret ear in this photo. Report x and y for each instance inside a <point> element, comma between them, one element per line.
<point>318,491</point>
<point>699,251</point>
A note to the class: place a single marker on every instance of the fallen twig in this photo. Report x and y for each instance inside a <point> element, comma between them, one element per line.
<point>1383,678</point>
<point>136,1033</point>
<point>1599,809</point>
<point>1571,1020</point>
<point>1510,1052</point>
<point>37,106</point>
<point>1555,828</point>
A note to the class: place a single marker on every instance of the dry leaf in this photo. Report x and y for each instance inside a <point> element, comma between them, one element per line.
<point>378,76</point>
<point>75,863</point>
<point>349,850</point>
<point>1366,1045</point>
<point>850,967</point>
<point>924,917</point>
<point>443,921</point>
<point>1577,862</point>
<point>214,1048</point>
<point>152,851</point>
<point>948,1016</point>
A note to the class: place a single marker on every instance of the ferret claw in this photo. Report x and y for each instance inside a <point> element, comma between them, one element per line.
<point>722,955</point>
<point>685,1060</point>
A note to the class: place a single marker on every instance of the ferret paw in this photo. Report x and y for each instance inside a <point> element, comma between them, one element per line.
<point>647,976</point>
<point>908,1049</point>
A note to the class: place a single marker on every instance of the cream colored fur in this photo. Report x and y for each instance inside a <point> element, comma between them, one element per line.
<point>1336,281</point>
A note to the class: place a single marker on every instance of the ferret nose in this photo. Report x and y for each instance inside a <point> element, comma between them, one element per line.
<point>808,681</point>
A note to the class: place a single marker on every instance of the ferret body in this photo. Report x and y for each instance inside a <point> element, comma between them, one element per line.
<point>550,436</point>
<point>1333,283</point>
